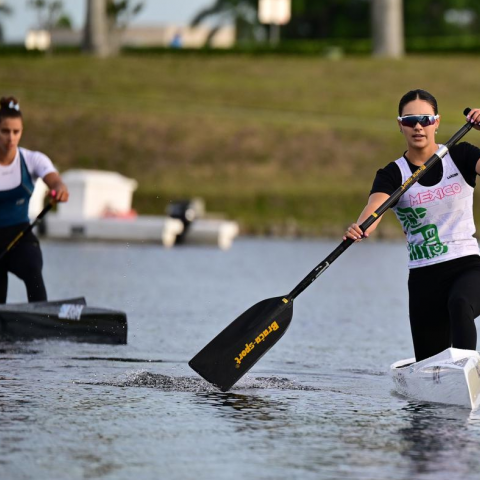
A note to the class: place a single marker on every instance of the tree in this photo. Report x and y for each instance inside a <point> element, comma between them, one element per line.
<point>387,28</point>
<point>106,20</point>
<point>5,10</point>
<point>50,14</point>
<point>95,38</point>
<point>311,19</point>
<point>241,13</point>
<point>121,12</point>
<point>437,18</point>
<point>387,22</point>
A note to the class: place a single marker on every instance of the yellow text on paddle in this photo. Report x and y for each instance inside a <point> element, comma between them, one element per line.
<point>250,346</point>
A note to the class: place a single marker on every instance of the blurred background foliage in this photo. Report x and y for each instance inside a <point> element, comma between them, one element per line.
<point>349,19</point>
<point>284,139</point>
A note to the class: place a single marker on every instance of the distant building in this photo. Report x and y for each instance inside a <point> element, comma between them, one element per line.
<point>156,36</point>
<point>38,40</point>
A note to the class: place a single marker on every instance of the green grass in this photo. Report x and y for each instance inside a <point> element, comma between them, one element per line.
<point>282,144</point>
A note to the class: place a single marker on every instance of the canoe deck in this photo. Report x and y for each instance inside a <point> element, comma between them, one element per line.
<point>69,319</point>
<point>450,377</point>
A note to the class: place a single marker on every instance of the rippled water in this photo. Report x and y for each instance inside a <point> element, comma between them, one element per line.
<point>319,405</point>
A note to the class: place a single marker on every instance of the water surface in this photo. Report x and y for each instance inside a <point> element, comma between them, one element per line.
<point>319,405</point>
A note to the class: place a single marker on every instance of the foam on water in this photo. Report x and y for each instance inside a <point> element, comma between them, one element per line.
<point>167,383</point>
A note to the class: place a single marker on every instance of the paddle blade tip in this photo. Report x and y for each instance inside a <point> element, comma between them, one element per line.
<point>205,373</point>
<point>231,354</point>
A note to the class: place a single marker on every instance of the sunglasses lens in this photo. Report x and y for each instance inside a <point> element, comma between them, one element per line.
<point>423,120</point>
<point>409,121</point>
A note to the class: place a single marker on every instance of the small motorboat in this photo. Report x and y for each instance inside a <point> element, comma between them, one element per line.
<point>62,320</point>
<point>450,377</point>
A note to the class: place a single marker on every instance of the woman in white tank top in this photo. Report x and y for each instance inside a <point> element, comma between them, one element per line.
<point>436,215</point>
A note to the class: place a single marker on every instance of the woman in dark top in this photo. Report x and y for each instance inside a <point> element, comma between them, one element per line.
<point>436,214</point>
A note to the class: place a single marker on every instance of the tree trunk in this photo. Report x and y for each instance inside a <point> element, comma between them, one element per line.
<point>387,28</point>
<point>96,39</point>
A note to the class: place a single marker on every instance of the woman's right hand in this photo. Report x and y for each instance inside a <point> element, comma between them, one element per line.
<point>354,232</point>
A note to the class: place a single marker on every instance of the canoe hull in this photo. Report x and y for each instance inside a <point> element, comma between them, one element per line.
<point>69,319</point>
<point>451,377</point>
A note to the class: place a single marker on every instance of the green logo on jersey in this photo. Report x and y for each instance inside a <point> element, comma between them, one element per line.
<point>431,246</point>
<point>410,217</point>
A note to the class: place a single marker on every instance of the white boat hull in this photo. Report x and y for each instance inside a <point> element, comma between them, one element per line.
<point>450,377</point>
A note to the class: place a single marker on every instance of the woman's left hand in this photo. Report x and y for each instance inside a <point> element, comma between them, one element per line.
<point>61,193</point>
<point>54,183</point>
<point>474,118</point>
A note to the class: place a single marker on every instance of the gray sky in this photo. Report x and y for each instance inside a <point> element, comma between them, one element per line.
<point>178,12</point>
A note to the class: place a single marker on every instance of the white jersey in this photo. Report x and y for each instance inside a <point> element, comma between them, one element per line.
<point>438,220</point>
<point>38,165</point>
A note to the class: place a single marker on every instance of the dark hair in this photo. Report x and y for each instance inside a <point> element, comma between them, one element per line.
<point>9,108</point>
<point>417,94</point>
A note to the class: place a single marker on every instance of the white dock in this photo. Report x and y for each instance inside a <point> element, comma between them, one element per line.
<point>100,209</point>
<point>150,229</point>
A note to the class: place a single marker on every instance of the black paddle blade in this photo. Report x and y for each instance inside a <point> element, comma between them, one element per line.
<point>232,353</point>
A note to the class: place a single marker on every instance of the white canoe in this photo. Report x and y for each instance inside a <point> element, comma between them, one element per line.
<point>451,377</point>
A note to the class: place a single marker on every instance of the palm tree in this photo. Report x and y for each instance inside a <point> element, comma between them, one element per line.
<point>48,12</point>
<point>95,39</point>
<point>387,19</point>
<point>242,13</point>
<point>387,28</point>
<point>105,18</point>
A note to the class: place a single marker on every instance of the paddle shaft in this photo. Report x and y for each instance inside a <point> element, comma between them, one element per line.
<point>417,175</point>
<point>27,229</point>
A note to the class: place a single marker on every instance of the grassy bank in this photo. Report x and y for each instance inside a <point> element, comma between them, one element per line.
<point>282,144</point>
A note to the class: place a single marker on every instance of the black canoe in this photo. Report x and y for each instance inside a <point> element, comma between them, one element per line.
<point>62,320</point>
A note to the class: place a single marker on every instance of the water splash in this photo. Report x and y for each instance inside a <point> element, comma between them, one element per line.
<point>275,383</point>
<point>167,383</point>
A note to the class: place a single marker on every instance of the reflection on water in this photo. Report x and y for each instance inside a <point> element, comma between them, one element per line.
<point>250,412</point>
<point>438,437</point>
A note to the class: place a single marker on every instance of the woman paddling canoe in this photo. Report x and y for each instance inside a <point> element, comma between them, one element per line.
<point>19,169</point>
<point>436,214</point>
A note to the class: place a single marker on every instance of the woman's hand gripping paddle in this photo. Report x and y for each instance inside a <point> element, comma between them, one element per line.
<point>31,226</point>
<point>232,353</point>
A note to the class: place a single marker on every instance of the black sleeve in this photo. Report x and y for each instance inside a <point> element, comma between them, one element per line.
<point>465,156</point>
<point>388,179</point>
